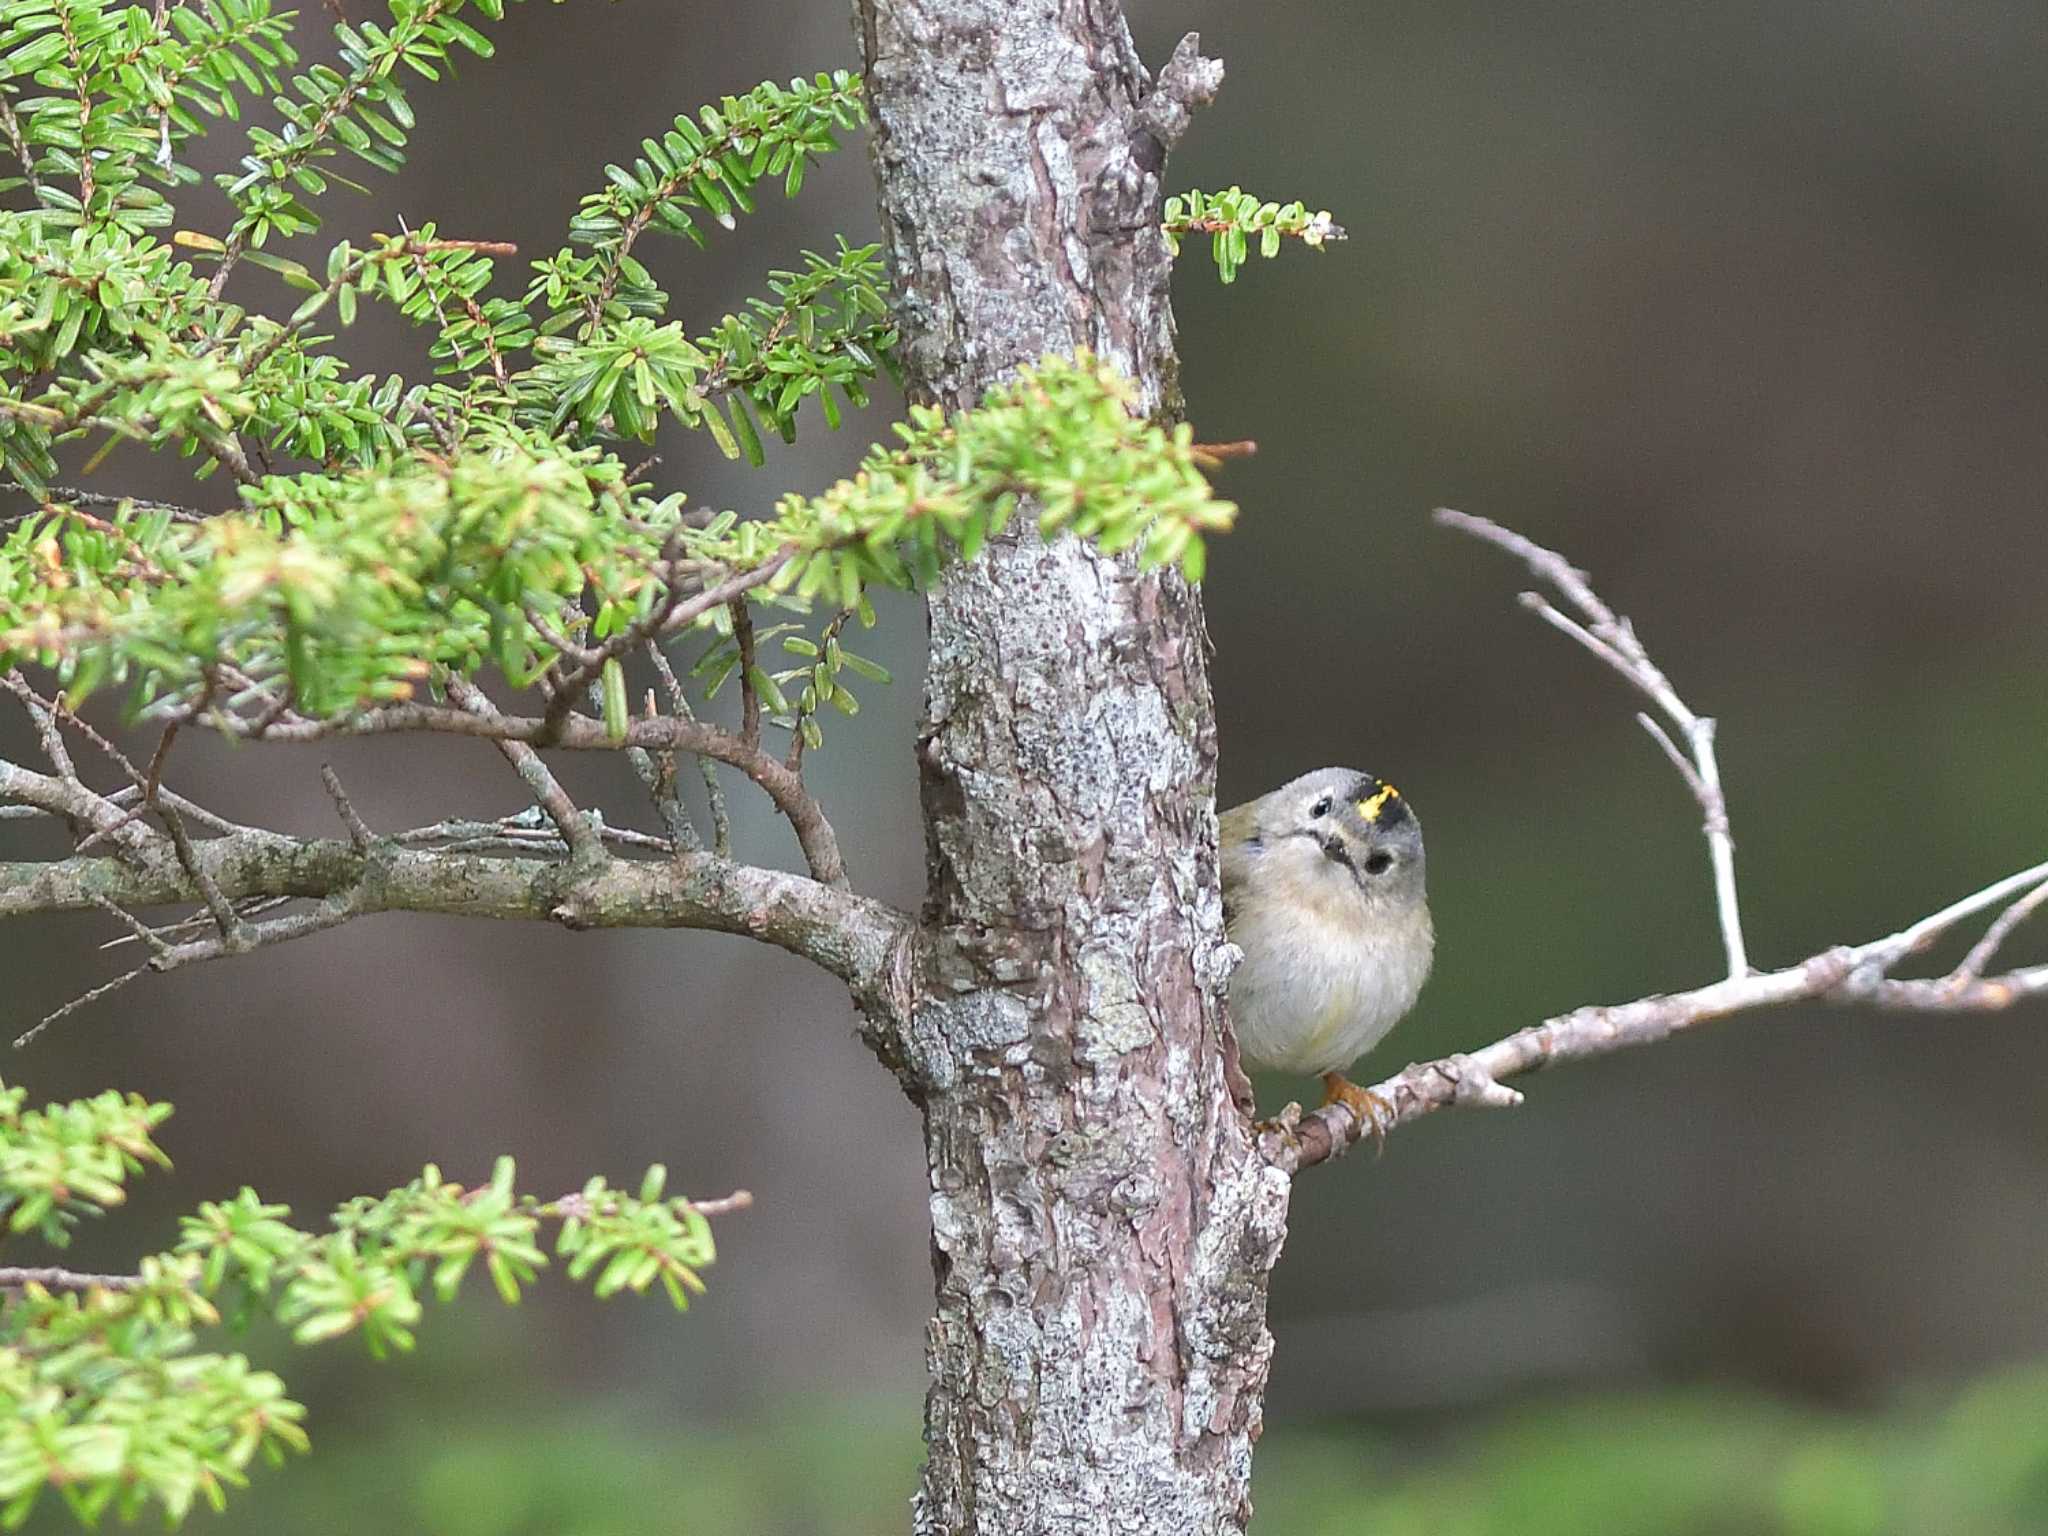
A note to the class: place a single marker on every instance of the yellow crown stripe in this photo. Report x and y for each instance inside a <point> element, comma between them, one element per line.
<point>1371,807</point>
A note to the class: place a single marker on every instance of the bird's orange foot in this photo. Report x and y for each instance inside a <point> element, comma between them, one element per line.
<point>1374,1114</point>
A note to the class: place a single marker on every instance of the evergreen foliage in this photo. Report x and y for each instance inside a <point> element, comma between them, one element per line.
<point>380,537</point>
<point>1232,218</point>
<point>108,1393</point>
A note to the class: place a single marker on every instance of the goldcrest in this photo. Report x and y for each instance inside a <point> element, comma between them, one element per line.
<point>1323,891</point>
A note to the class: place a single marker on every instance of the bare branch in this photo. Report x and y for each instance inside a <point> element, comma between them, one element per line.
<point>190,810</point>
<point>738,1200</point>
<point>547,792</point>
<point>43,715</point>
<point>83,1000</point>
<point>714,792</point>
<point>865,943</point>
<point>657,775</point>
<point>1187,82</point>
<point>784,786</point>
<point>71,800</point>
<point>675,613</point>
<point>1982,952</point>
<point>359,832</point>
<point>1678,759</point>
<point>1888,952</point>
<point>114,815</point>
<point>225,918</point>
<point>750,696</point>
<point>1973,994</point>
<point>16,1279</point>
<point>515,834</point>
<point>166,933</point>
<point>155,942</point>
<point>1613,639</point>
<point>84,498</point>
<point>1857,974</point>
<point>1854,974</point>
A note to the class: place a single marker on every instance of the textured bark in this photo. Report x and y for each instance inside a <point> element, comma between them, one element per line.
<point>1102,1225</point>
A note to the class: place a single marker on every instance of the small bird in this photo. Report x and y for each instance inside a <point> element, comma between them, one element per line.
<point>1323,890</point>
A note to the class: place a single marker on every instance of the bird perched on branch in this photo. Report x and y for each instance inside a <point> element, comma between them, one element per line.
<point>1323,890</point>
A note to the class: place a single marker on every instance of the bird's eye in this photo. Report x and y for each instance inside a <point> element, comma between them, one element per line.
<point>1321,807</point>
<point>1378,863</point>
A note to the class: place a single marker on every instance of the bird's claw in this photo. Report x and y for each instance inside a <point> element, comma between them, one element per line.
<point>1375,1116</point>
<point>1282,1125</point>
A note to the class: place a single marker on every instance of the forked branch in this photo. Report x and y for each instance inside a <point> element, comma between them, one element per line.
<point>1860,973</point>
<point>1612,638</point>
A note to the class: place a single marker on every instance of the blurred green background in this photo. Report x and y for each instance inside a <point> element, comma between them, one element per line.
<point>1742,306</point>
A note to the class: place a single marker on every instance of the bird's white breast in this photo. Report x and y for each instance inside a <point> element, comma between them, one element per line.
<point>1317,988</point>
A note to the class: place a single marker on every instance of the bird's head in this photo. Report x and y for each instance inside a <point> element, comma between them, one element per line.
<point>1338,824</point>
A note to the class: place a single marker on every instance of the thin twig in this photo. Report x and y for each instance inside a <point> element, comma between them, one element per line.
<point>1613,639</point>
<point>330,913</point>
<point>1849,974</point>
<point>814,832</point>
<point>42,714</point>
<point>153,941</point>
<point>189,809</point>
<point>16,1278</point>
<point>153,777</point>
<point>546,790</point>
<point>1678,759</point>
<point>714,792</point>
<point>15,142</point>
<point>225,918</point>
<point>509,835</point>
<point>1982,952</point>
<point>750,696</point>
<point>1913,939</point>
<point>673,613</point>
<point>1852,974</point>
<point>359,832</point>
<point>83,1000</point>
<point>657,775</point>
<point>738,1200</point>
<point>170,933</point>
<point>178,513</point>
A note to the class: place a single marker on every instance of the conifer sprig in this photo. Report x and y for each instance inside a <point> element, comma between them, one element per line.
<point>110,1395</point>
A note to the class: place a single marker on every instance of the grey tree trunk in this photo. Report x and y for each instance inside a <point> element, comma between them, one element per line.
<point>1102,1225</point>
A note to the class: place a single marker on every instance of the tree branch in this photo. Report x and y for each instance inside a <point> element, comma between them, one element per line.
<point>1613,639</point>
<point>863,942</point>
<point>677,611</point>
<point>1848,974</point>
<point>546,790</point>
<point>783,785</point>
<point>1187,83</point>
<point>14,1278</point>
<point>714,792</point>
